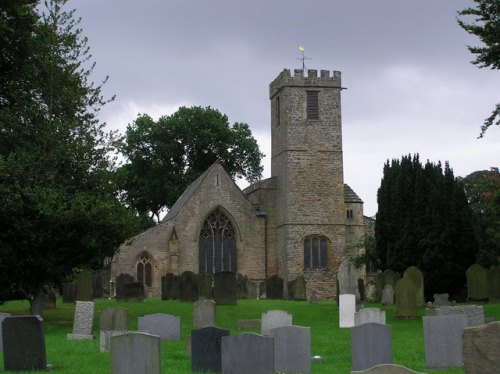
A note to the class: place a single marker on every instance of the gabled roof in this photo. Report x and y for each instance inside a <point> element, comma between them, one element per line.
<point>350,196</point>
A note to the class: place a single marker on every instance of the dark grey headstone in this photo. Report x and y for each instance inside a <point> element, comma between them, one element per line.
<point>380,286</point>
<point>274,287</point>
<point>477,283</point>
<point>297,289</point>
<point>134,353</point>
<point>481,348</point>
<point>49,298</point>
<point>69,293</point>
<point>361,289</point>
<point>390,277</point>
<point>188,286</point>
<point>441,299</point>
<point>97,289</point>
<point>225,288</point>
<point>443,340</point>
<point>134,291</point>
<point>292,349</point>
<point>166,326</point>
<point>370,345</point>
<point>241,286</point>
<point>206,349</point>
<point>203,313</point>
<point>494,283</point>
<point>114,319</point>
<point>24,343</point>
<point>121,281</point>
<point>205,285</point>
<point>2,317</point>
<point>248,353</point>
<point>170,287</point>
<point>84,286</point>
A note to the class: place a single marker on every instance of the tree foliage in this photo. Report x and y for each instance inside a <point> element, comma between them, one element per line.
<point>424,220</point>
<point>486,26</point>
<point>59,209</point>
<point>165,156</point>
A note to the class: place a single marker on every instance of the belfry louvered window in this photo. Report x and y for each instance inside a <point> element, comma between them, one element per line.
<point>217,244</point>
<point>312,105</point>
<point>315,252</point>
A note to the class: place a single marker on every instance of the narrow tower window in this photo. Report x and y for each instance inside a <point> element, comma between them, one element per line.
<point>277,108</point>
<point>312,105</point>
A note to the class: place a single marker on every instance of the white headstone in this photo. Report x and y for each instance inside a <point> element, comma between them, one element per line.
<point>369,315</point>
<point>347,308</point>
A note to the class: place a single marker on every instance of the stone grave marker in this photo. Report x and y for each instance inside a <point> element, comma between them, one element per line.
<point>83,321</point>
<point>406,304</point>
<point>371,292</point>
<point>105,338</point>
<point>134,291</point>
<point>361,289</point>
<point>121,281</point>
<point>188,286</point>
<point>390,277</point>
<point>388,295</point>
<point>166,326</point>
<point>225,288</point>
<point>387,369</point>
<point>49,298</point>
<point>416,276</point>
<point>203,313</point>
<point>2,317</point>
<point>112,322</point>
<point>84,286</point>
<point>297,289</point>
<point>347,308</point>
<point>347,277</point>
<point>205,285</point>
<point>248,353</point>
<point>97,289</point>
<point>380,286</point>
<point>69,292</point>
<point>274,318</point>
<point>370,345</point>
<point>248,324</point>
<point>274,287</point>
<point>206,349</point>
<point>292,349</point>
<point>252,290</point>
<point>23,343</point>
<point>135,353</point>
<point>369,315</point>
<point>481,349</point>
<point>241,286</point>
<point>170,287</point>
<point>313,299</point>
<point>473,313</point>
<point>494,283</point>
<point>441,299</point>
<point>477,283</point>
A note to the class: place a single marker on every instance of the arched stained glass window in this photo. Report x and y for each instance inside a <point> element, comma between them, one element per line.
<point>144,268</point>
<point>217,244</point>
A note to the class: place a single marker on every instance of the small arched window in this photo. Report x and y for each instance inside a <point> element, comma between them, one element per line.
<point>144,268</point>
<point>316,252</point>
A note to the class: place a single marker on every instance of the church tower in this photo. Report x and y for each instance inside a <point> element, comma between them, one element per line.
<point>306,160</point>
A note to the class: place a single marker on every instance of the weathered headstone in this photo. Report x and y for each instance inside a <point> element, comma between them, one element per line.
<point>494,283</point>
<point>188,287</point>
<point>292,349</point>
<point>274,287</point>
<point>370,345</point>
<point>69,292</point>
<point>473,313</point>
<point>481,348</point>
<point>274,318</point>
<point>134,353</point>
<point>416,276</point>
<point>477,283</point>
<point>206,349</point>
<point>380,286</point>
<point>371,292</point>
<point>387,369</point>
<point>134,291</point>
<point>23,343</point>
<point>297,289</point>
<point>252,290</point>
<point>441,299</point>
<point>347,277</point>
<point>443,340</point>
<point>390,277</point>
<point>97,289</point>
<point>248,353</point>
<point>112,321</point>
<point>225,288</point>
<point>347,308</point>
<point>106,336</point>
<point>49,298</point>
<point>166,326</point>
<point>241,286</point>
<point>203,313</point>
<point>388,295</point>
<point>205,285</point>
<point>406,305</point>
<point>84,286</point>
<point>369,315</point>
<point>169,287</point>
<point>361,289</point>
<point>83,321</point>
<point>2,317</point>
<point>121,281</point>
<point>248,324</point>
<point>313,299</point>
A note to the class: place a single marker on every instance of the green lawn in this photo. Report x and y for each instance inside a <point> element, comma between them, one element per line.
<point>328,340</point>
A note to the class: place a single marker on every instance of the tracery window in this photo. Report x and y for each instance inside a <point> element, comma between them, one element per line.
<point>316,252</point>
<point>144,268</point>
<point>217,244</point>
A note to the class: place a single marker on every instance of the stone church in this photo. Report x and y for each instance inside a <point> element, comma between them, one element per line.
<point>303,220</point>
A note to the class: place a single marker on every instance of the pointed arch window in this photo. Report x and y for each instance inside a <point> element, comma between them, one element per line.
<point>217,244</point>
<point>144,267</point>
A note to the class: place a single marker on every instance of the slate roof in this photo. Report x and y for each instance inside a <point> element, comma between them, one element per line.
<point>350,196</point>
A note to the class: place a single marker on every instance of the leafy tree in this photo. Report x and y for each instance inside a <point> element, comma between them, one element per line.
<point>486,27</point>
<point>165,156</point>
<point>424,220</point>
<point>59,209</point>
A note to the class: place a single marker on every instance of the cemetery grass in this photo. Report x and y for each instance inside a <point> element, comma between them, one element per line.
<point>327,339</point>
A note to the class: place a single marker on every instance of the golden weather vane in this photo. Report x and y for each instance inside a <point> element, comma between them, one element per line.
<point>303,58</point>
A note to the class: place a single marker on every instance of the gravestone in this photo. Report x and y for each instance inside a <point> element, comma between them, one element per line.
<point>225,288</point>
<point>387,369</point>
<point>206,354</point>
<point>370,345</point>
<point>371,292</point>
<point>494,283</point>
<point>347,308</point>
<point>112,321</point>
<point>83,321</point>
<point>388,295</point>
<point>390,277</point>
<point>188,287</point>
<point>134,291</point>
<point>477,283</point>
<point>2,317</point>
<point>106,336</point>
<point>441,299</point>
<point>297,289</point>
<point>97,289</point>
<point>314,297</point>
<point>406,304</point>
<point>69,292</point>
<point>121,281</point>
<point>49,298</point>
<point>416,276</point>
<point>361,289</point>
<point>274,288</point>
<point>380,285</point>
<point>84,286</point>
<point>292,349</point>
<point>170,287</point>
<point>481,349</point>
<point>166,326</point>
<point>274,318</point>
<point>473,313</point>
<point>248,353</point>
<point>134,353</point>
<point>205,285</point>
<point>241,286</point>
<point>443,341</point>
<point>248,324</point>
<point>252,290</point>
<point>23,343</point>
<point>347,278</point>
<point>203,313</point>
<point>369,315</point>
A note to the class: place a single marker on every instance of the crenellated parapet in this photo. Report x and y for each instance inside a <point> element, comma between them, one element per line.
<point>310,79</point>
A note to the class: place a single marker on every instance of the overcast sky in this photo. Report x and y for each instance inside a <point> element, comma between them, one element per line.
<point>410,84</point>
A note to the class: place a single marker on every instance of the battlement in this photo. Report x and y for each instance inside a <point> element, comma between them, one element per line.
<point>299,79</point>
